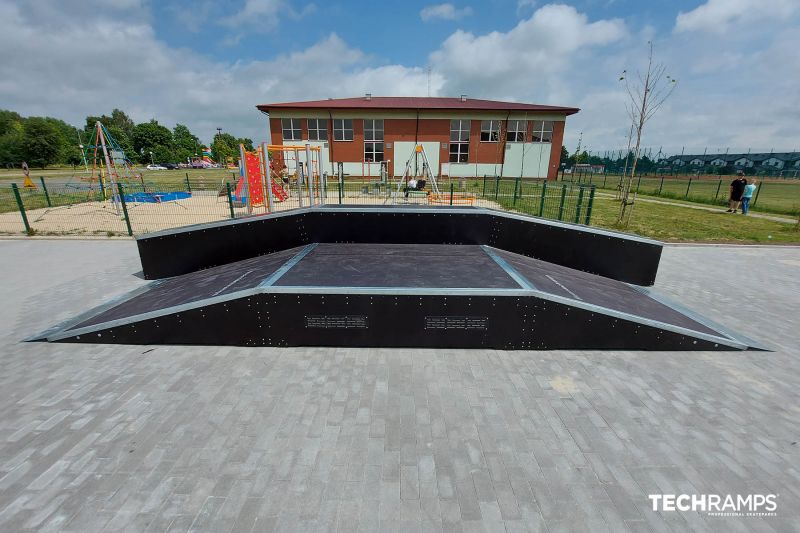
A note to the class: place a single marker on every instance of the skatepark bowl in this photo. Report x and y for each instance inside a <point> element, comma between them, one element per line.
<point>398,276</point>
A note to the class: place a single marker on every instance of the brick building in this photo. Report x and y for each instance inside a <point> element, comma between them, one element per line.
<point>462,137</point>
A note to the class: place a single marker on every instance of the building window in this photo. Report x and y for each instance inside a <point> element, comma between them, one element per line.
<point>542,131</point>
<point>516,131</point>
<point>291,129</point>
<point>373,140</point>
<point>490,131</point>
<point>317,129</point>
<point>342,129</point>
<point>459,141</point>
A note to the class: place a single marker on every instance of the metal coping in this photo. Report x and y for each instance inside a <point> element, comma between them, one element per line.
<point>403,209</point>
<point>697,317</point>
<point>521,280</point>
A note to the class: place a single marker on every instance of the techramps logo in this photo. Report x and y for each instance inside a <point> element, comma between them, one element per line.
<point>719,505</point>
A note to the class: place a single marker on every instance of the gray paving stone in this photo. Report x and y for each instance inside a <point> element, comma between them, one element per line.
<point>96,437</point>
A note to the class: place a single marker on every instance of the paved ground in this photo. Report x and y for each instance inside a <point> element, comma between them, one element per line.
<point>218,439</point>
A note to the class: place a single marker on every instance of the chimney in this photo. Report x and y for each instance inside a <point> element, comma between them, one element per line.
<point>463,97</point>
<point>368,97</point>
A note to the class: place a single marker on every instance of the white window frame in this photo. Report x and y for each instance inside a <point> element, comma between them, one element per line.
<point>341,131</point>
<point>541,133</point>
<point>293,128</point>
<point>373,140</point>
<point>517,135</point>
<point>491,130</point>
<point>316,131</point>
<point>461,128</point>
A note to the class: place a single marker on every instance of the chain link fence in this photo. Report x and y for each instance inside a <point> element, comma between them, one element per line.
<point>778,196</point>
<point>90,208</point>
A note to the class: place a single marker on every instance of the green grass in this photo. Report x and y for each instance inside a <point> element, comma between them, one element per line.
<point>780,196</point>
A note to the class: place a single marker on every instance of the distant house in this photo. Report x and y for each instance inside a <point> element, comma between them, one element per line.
<point>773,162</point>
<point>760,162</point>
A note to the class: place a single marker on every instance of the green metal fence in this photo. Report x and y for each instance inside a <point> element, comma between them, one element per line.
<point>773,196</point>
<point>134,208</point>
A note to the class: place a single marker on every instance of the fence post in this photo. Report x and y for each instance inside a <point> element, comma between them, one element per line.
<point>516,187</point>
<point>230,198</point>
<point>718,187</point>
<point>561,203</point>
<point>496,186</point>
<point>660,186</point>
<point>21,209</point>
<point>484,185</point>
<point>604,180</point>
<point>451,193</point>
<point>188,185</point>
<point>579,205</point>
<point>758,190</point>
<point>589,207</point>
<point>638,183</point>
<point>541,202</point>
<point>689,186</point>
<point>46,194</point>
<point>124,209</point>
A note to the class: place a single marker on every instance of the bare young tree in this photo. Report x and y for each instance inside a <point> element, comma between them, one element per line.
<point>647,94</point>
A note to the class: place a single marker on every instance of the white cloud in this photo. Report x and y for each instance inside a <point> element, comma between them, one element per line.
<point>718,16</point>
<point>70,73</point>
<point>523,5</point>
<point>444,12</point>
<point>264,15</point>
<point>524,59</point>
<point>736,89</point>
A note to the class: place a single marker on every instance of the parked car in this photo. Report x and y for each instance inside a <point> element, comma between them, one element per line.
<point>170,166</point>
<point>155,167</point>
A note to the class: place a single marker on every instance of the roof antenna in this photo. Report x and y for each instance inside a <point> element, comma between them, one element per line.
<point>429,81</point>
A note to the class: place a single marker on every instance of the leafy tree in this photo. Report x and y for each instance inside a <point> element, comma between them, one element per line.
<point>248,143</point>
<point>224,148</point>
<point>564,154</point>
<point>153,137</point>
<point>186,145</point>
<point>42,142</point>
<point>8,120</point>
<point>10,138</point>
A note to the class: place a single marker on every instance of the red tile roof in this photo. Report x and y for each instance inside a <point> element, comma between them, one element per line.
<point>418,102</point>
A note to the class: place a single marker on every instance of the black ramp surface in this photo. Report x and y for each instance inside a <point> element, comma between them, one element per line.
<point>197,286</point>
<point>393,265</point>
<point>597,290</point>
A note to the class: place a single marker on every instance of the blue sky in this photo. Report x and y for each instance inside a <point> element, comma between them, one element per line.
<point>206,64</point>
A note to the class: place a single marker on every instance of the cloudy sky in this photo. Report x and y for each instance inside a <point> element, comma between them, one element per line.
<point>208,63</point>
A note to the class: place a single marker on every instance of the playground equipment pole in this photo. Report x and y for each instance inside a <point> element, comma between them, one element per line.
<point>267,176</point>
<point>108,164</point>
<point>245,178</point>
<point>310,173</point>
<point>299,167</point>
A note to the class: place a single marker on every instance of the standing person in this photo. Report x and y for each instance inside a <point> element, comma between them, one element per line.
<point>747,195</point>
<point>736,190</point>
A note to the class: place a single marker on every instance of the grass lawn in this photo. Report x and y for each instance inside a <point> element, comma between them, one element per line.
<point>679,224</point>
<point>780,196</point>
